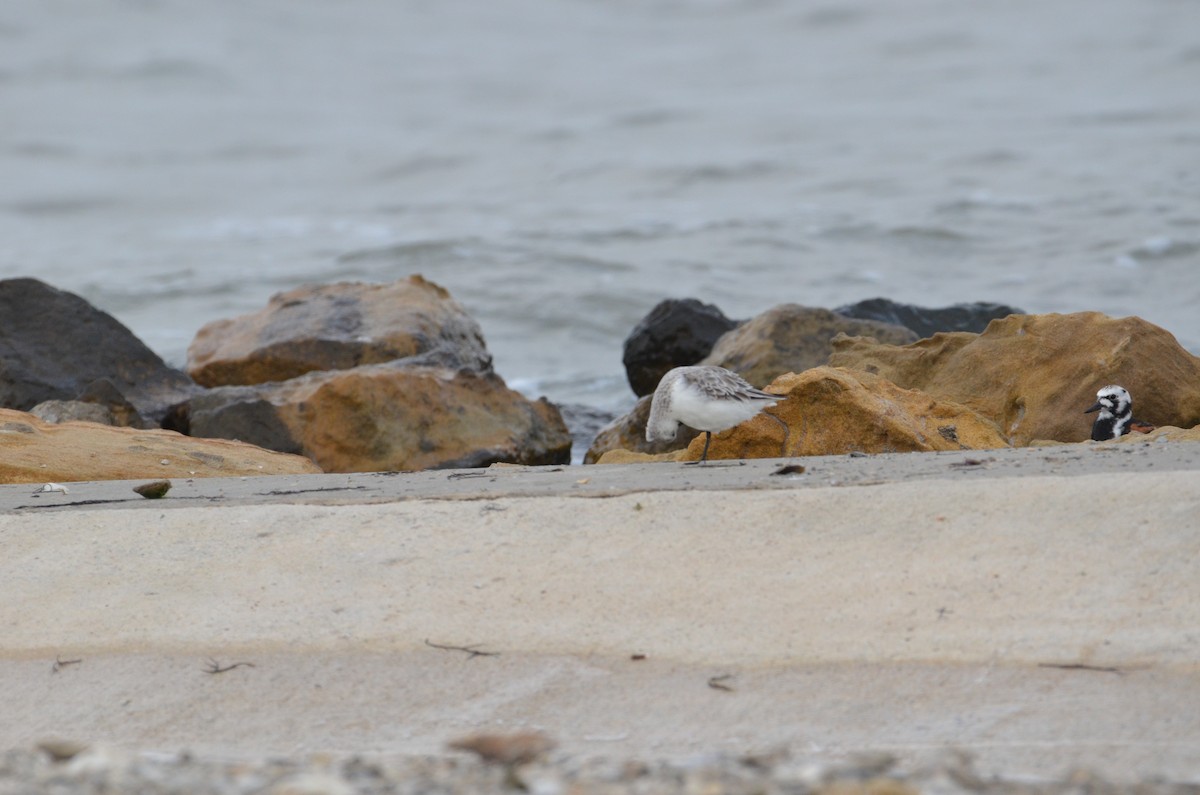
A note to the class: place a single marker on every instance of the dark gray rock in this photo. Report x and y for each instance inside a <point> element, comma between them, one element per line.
<point>925,321</point>
<point>102,392</point>
<point>233,412</point>
<point>54,345</point>
<point>677,332</point>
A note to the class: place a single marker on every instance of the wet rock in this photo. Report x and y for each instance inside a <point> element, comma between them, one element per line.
<point>832,411</point>
<point>676,332</point>
<point>54,345</point>
<point>790,339</point>
<point>386,417</point>
<point>628,432</point>
<point>36,452</point>
<point>926,322</point>
<point>1033,375</point>
<point>338,327</point>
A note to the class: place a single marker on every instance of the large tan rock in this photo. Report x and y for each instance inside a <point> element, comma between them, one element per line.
<point>33,451</point>
<point>336,327</point>
<point>831,411</point>
<point>1033,375</point>
<point>1167,433</point>
<point>628,432</point>
<point>791,339</point>
<point>388,417</point>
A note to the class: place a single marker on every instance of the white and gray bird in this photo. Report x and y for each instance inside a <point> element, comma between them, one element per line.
<point>706,398</point>
<point>1116,414</point>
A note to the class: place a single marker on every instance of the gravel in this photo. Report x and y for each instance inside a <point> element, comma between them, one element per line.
<point>62,769</point>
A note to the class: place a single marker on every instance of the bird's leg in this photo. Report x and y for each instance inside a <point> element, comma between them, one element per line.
<point>707,439</point>
<point>787,433</point>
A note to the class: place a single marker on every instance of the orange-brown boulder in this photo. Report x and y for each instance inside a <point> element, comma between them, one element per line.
<point>791,339</point>
<point>831,411</point>
<point>628,432</point>
<point>33,451</point>
<point>337,327</point>
<point>1034,375</point>
<point>387,417</point>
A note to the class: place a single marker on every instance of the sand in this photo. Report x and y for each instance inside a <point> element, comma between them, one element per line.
<point>1038,608</point>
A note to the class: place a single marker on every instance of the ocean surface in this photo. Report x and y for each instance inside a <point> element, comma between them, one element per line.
<point>562,165</point>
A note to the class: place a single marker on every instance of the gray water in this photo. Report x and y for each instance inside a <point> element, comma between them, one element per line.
<point>562,165</point>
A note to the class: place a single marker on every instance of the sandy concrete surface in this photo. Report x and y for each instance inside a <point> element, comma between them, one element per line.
<point>1037,607</point>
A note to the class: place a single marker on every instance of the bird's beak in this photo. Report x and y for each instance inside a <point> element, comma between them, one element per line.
<point>1096,407</point>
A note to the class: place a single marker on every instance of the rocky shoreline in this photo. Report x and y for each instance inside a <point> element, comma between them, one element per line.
<point>397,377</point>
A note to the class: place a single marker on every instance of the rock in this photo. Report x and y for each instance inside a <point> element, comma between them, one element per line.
<point>100,401</point>
<point>365,378</point>
<point>103,392</point>
<point>154,490</point>
<point>517,748</point>
<point>619,456</point>
<point>61,750</point>
<point>1033,375</point>
<point>54,344</point>
<point>926,322</point>
<point>790,339</point>
<point>386,417</point>
<point>337,327</point>
<point>236,412</point>
<point>832,411</point>
<point>676,332</point>
<point>628,432</point>
<point>36,452</point>
<point>880,785</point>
<point>311,783</point>
<point>1165,433</point>
<point>56,411</point>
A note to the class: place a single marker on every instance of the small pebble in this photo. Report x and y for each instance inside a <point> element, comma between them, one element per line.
<point>510,749</point>
<point>61,750</point>
<point>154,489</point>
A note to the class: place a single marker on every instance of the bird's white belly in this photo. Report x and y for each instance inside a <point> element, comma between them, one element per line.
<point>707,414</point>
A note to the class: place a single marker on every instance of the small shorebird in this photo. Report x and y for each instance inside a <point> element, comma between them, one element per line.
<point>1116,414</point>
<point>706,398</point>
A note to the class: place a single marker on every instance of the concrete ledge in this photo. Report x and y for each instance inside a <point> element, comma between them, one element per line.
<point>1044,622</point>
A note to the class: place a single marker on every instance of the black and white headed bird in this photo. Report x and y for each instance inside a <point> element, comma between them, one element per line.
<point>1116,414</point>
<point>706,398</point>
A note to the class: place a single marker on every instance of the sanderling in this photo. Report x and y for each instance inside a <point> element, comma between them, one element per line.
<point>1116,414</point>
<point>709,399</point>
